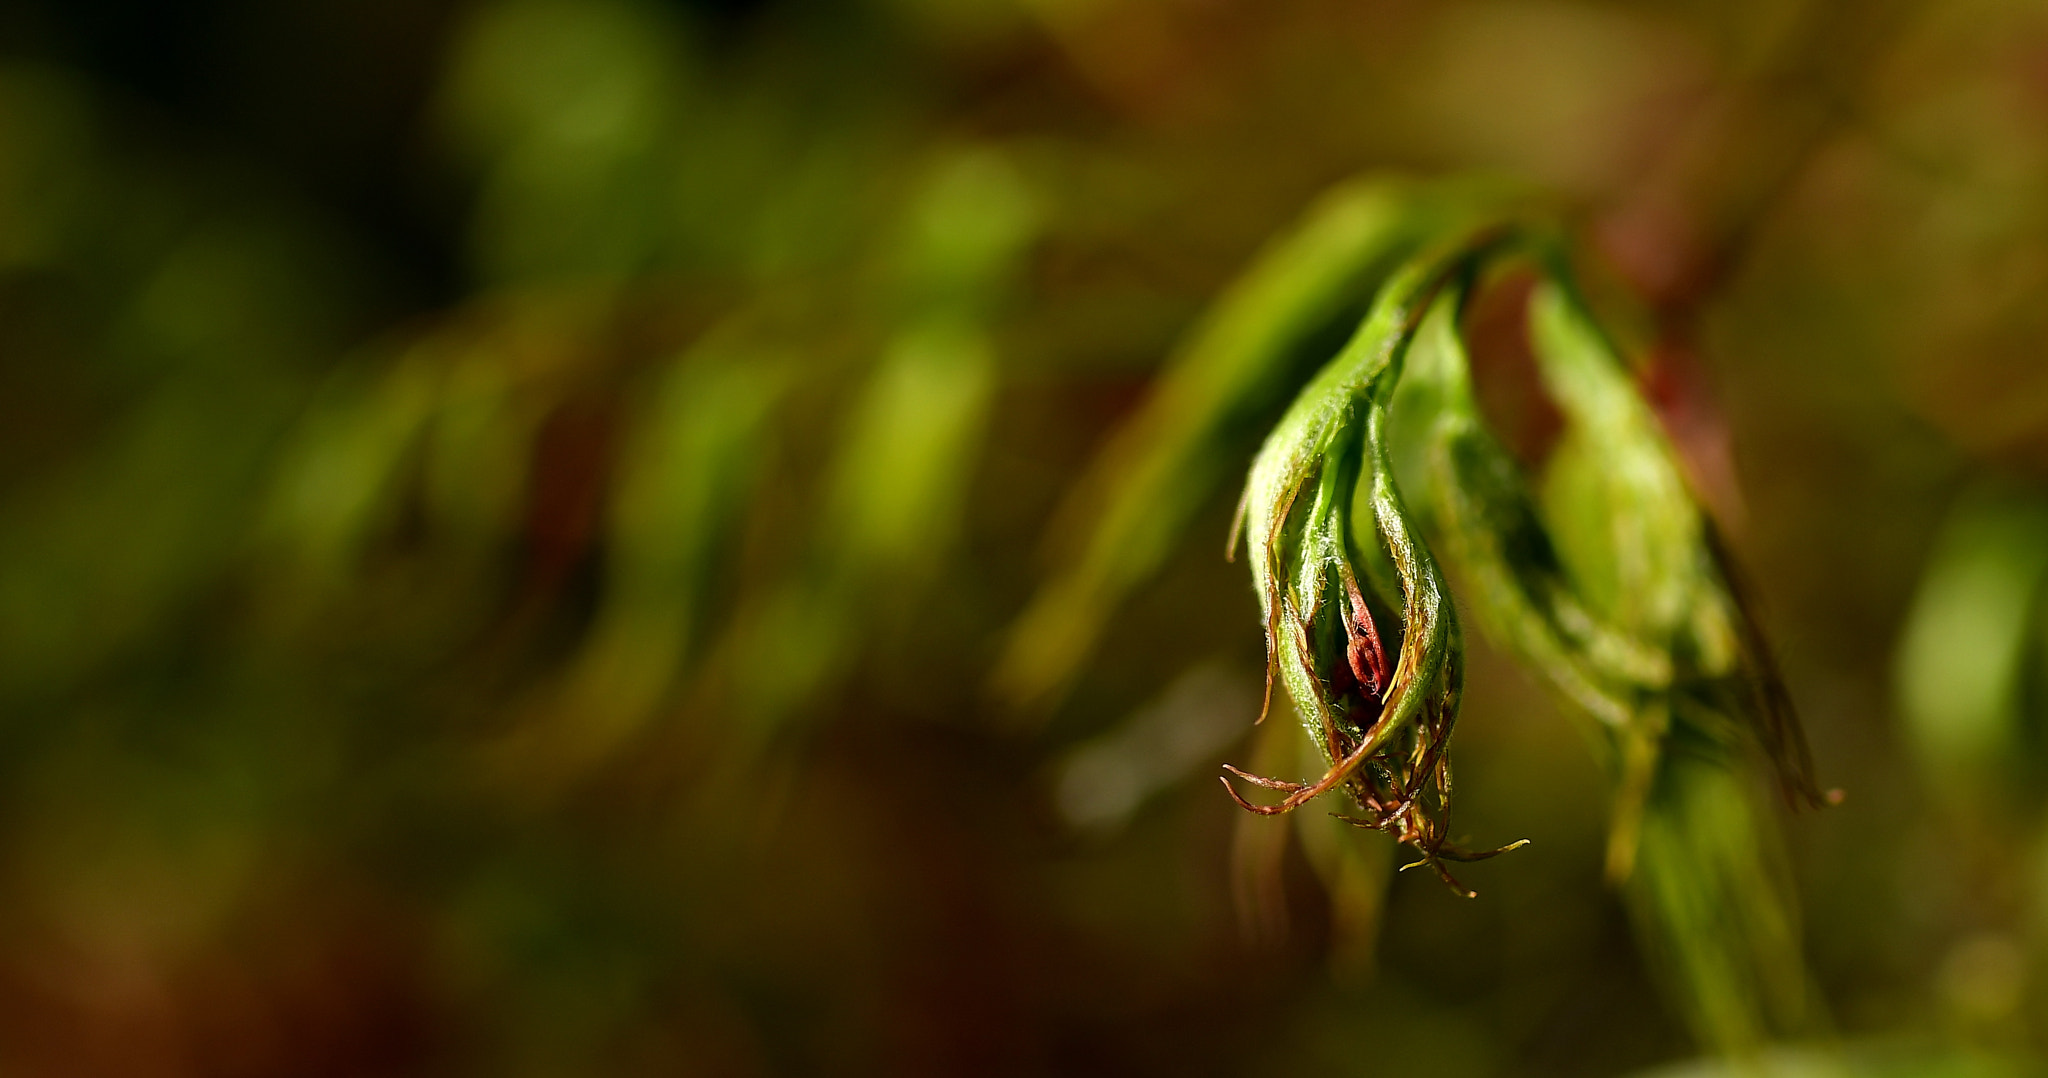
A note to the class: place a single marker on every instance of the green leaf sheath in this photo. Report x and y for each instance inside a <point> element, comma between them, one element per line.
<point>1383,733</point>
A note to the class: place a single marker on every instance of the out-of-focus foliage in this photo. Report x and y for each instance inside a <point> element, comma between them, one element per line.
<point>527,528</point>
<point>1970,662</point>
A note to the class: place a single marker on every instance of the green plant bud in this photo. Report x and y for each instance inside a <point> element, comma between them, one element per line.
<point>1384,731</point>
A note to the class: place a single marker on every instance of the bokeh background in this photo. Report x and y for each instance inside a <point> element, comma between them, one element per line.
<point>509,509</point>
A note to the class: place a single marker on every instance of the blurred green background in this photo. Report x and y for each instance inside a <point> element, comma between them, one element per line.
<point>509,510</point>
